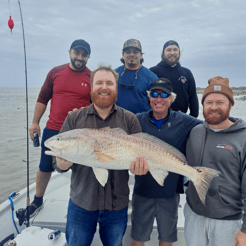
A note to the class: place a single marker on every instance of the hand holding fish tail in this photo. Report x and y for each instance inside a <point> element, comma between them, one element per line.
<point>63,164</point>
<point>139,166</point>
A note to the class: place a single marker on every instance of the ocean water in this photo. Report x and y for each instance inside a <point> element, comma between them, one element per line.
<point>13,143</point>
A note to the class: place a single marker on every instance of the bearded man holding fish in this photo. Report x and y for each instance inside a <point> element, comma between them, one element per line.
<point>219,143</point>
<point>150,200</point>
<point>98,196</point>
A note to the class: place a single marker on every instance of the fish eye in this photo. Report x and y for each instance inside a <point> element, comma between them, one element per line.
<point>59,138</point>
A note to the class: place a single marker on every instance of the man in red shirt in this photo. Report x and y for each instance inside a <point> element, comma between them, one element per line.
<point>68,87</point>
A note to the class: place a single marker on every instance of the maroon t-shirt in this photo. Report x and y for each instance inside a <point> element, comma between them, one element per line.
<point>67,89</point>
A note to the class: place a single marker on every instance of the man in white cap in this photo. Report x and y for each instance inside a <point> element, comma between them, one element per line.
<point>219,143</point>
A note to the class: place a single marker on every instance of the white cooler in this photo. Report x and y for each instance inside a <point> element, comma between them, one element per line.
<point>35,236</point>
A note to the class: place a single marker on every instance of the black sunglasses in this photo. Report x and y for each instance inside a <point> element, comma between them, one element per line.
<point>129,86</point>
<point>155,94</point>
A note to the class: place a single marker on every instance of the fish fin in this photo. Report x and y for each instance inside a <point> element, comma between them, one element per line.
<point>101,175</point>
<point>48,152</point>
<point>203,180</point>
<point>159,176</point>
<point>156,140</point>
<point>103,157</point>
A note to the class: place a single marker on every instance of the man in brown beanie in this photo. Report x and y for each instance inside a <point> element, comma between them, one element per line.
<point>218,143</point>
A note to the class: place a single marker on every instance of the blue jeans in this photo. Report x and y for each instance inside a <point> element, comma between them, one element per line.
<point>81,226</point>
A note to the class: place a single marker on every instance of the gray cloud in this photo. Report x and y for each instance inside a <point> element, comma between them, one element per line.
<point>211,34</point>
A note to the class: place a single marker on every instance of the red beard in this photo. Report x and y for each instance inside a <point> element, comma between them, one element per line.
<point>103,102</point>
<point>215,120</point>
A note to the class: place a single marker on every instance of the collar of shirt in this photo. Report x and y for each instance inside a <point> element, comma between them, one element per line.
<point>92,110</point>
<point>158,122</point>
<point>151,113</point>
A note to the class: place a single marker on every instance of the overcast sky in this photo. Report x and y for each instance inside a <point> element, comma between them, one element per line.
<point>211,35</point>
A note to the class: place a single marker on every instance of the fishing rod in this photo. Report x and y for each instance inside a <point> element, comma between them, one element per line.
<point>11,25</point>
<point>27,125</point>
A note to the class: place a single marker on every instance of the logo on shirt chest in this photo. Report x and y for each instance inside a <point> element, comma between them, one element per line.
<point>224,146</point>
<point>182,79</point>
<point>84,84</point>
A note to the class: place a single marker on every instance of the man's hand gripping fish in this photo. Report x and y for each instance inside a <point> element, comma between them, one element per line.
<point>108,148</point>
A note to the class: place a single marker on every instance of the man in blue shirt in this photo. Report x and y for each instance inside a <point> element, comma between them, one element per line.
<point>134,79</point>
<point>150,200</point>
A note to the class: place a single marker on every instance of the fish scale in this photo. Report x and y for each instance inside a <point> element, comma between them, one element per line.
<point>138,147</point>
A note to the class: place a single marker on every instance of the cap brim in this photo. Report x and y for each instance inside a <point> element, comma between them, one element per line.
<point>161,88</point>
<point>130,48</point>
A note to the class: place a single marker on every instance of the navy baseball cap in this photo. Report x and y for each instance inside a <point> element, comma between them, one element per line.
<point>162,84</point>
<point>170,42</point>
<point>80,43</point>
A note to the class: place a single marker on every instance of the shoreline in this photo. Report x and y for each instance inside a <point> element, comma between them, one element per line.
<point>237,91</point>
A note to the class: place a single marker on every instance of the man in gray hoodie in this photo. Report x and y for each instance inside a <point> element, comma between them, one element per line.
<point>218,143</point>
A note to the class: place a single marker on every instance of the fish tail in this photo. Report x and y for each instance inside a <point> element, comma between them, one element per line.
<point>203,180</point>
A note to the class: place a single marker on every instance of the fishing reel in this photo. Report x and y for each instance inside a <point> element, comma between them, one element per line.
<point>21,215</point>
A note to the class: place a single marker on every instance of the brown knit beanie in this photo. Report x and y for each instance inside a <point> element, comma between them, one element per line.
<point>219,85</point>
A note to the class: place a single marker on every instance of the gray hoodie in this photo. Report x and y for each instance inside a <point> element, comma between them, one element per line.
<point>225,151</point>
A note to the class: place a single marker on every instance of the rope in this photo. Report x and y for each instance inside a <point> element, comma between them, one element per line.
<point>9,8</point>
<point>12,208</point>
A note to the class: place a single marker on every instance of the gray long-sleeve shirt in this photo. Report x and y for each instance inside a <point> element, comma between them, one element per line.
<point>86,192</point>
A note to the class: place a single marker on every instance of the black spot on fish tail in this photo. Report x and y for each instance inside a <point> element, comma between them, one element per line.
<point>203,180</point>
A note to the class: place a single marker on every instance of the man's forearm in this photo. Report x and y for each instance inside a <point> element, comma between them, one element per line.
<point>38,112</point>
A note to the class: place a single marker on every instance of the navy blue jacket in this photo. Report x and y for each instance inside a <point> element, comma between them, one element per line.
<point>174,131</point>
<point>183,85</point>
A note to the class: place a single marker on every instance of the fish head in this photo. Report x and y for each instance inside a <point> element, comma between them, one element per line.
<point>71,145</point>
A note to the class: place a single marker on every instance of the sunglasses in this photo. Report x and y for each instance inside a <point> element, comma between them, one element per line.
<point>129,86</point>
<point>155,94</point>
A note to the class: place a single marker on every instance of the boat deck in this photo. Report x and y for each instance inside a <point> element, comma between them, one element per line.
<point>53,215</point>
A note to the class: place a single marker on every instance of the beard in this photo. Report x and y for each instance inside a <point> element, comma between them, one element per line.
<point>103,102</point>
<point>170,63</point>
<point>216,120</point>
<point>132,64</point>
<point>80,66</point>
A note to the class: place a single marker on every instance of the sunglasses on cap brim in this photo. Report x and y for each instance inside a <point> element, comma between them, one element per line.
<point>155,94</point>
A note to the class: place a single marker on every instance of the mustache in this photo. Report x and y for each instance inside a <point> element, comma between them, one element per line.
<point>79,60</point>
<point>103,91</point>
<point>214,111</point>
